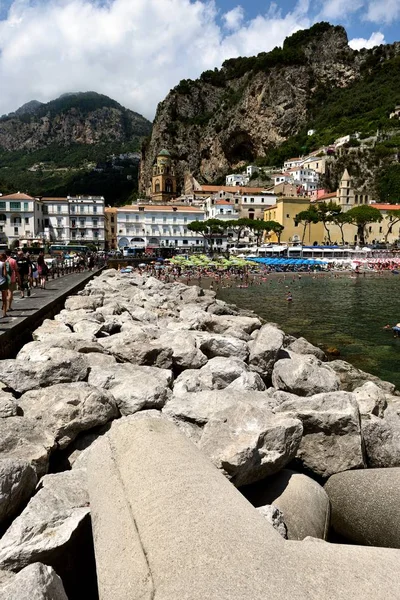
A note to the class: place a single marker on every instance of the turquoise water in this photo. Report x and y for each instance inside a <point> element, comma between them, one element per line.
<point>345,313</point>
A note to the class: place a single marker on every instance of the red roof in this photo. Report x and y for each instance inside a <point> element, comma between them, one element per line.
<point>330,195</point>
<point>386,206</point>
<point>233,189</point>
<point>17,196</point>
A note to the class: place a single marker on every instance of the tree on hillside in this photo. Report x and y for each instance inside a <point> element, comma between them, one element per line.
<point>388,184</point>
<point>341,219</point>
<point>326,213</point>
<point>360,216</point>
<point>259,228</point>
<point>306,217</point>
<point>208,229</point>
<point>394,218</point>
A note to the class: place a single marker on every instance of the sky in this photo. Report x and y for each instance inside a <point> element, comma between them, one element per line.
<point>135,51</point>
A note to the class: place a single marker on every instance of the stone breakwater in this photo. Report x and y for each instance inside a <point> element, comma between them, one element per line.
<point>132,419</point>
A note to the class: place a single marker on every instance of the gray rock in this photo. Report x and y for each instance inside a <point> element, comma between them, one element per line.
<point>213,344</point>
<point>249,442</point>
<point>185,353</point>
<point>248,381</point>
<point>366,506</point>
<point>332,433</point>
<point>22,439</point>
<point>303,502</point>
<point>221,324</point>
<point>217,374</point>
<point>264,350</point>
<point>8,405</point>
<point>50,328</point>
<point>382,436</point>
<point>138,352</point>
<point>352,378</point>
<point>17,482</point>
<point>304,376</point>
<point>70,317</point>
<point>133,387</point>
<point>56,366</point>
<point>371,399</point>
<point>301,346</point>
<point>274,516</point>
<point>202,407</point>
<point>35,582</point>
<point>48,528</point>
<point>37,350</point>
<point>83,302</point>
<point>65,410</point>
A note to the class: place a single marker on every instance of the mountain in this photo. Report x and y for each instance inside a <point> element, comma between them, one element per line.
<point>79,118</point>
<point>80,143</point>
<point>260,108</point>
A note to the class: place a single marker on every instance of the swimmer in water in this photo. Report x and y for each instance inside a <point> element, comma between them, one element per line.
<point>289,297</point>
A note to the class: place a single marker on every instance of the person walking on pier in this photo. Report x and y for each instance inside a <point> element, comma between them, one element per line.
<point>42,270</point>
<point>4,283</point>
<point>25,273</point>
<point>13,278</point>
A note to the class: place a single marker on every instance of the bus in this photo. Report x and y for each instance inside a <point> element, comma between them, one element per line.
<point>67,249</point>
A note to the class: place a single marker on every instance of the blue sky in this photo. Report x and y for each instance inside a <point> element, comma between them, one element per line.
<point>136,50</point>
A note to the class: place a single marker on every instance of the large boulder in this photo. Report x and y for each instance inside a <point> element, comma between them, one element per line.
<point>49,327</point>
<point>264,350</point>
<point>382,436</point>
<point>303,502</point>
<point>366,506</point>
<point>248,442</point>
<point>133,387</point>
<point>127,348</point>
<point>23,439</point>
<point>202,407</point>
<point>8,405</point>
<point>217,374</point>
<point>352,378</point>
<point>54,528</point>
<point>302,346</point>
<point>213,344</point>
<point>65,410</point>
<point>168,525</point>
<point>332,433</point>
<point>56,366</point>
<point>371,399</point>
<point>17,482</point>
<point>185,353</point>
<point>304,376</point>
<point>35,582</point>
<point>89,303</point>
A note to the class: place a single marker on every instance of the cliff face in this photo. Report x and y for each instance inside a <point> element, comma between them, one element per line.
<point>234,115</point>
<point>73,119</point>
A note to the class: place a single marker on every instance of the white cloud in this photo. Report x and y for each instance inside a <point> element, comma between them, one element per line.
<point>340,9</point>
<point>376,39</point>
<point>234,18</point>
<point>132,50</point>
<point>383,12</point>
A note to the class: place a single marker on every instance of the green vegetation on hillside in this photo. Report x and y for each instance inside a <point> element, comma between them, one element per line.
<point>69,170</point>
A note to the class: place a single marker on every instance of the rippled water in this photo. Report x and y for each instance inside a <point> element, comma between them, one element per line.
<point>345,313</point>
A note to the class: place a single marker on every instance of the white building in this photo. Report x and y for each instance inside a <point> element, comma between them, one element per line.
<point>281,178</point>
<point>155,226</point>
<point>236,179</point>
<point>251,169</point>
<point>56,226</point>
<point>292,163</point>
<point>252,206</point>
<point>87,223</point>
<point>21,217</point>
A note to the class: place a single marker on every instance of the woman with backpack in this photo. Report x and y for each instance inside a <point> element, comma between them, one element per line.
<point>4,282</point>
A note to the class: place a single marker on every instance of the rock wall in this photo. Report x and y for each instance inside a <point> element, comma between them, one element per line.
<point>252,399</point>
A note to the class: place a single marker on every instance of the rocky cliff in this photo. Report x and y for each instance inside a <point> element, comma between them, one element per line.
<point>239,113</point>
<point>82,118</point>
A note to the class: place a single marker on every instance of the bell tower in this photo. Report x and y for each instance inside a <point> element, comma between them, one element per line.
<point>163,182</point>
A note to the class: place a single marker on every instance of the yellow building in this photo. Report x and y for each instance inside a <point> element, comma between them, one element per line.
<point>284,212</point>
<point>110,224</point>
<point>163,183</point>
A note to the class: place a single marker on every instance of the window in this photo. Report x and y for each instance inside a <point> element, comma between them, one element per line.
<point>3,205</point>
<point>245,200</point>
<point>287,216</point>
<point>175,231</point>
<point>95,223</point>
<point>153,219</point>
<point>185,242</point>
<point>136,217</point>
<point>168,186</point>
<point>82,234</point>
<point>17,220</point>
<point>82,223</point>
<point>156,187</point>
<point>15,230</point>
<point>251,199</point>
<point>185,219</point>
<point>73,235</point>
<point>370,229</point>
<point>94,210</point>
<point>26,220</point>
<point>380,229</point>
<point>262,200</point>
<point>112,229</point>
<point>95,234</point>
<point>164,219</point>
<point>26,205</point>
<point>58,209</point>
<point>165,229</point>
<point>15,205</point>
<point>72,208</point>
<point>174,220</point>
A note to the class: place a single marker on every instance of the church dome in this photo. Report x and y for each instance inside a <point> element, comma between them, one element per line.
<point>164,153</point>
